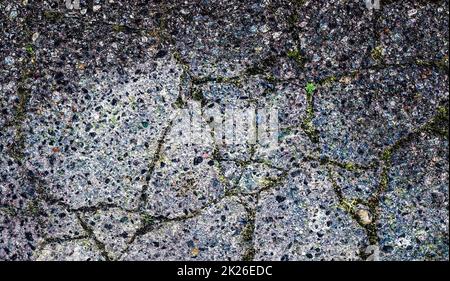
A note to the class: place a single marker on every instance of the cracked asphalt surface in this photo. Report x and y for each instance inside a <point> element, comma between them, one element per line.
<point>93,165</point>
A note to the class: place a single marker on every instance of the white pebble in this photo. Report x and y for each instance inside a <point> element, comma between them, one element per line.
<point>412,12</point>
<point>35,36</point>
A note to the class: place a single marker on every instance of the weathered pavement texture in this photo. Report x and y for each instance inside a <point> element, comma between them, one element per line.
<point>92,166</point>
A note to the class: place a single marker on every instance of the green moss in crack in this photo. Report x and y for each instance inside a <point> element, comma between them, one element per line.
<point>228,192</point>
<point>255,70</point>
<point>17,149</point>
<point>443,63</point>
<point>372,233</point>
<point>349,166</point>
<point>271,79</point>
<point>299,2</point>
<point>329,80</point>
<point>52,16</point>
<point>178,58</point>
<point>310,130</point>
<point>374,201</point>
<point>197,95</point>
<point>8,211</point>
<point>247,232</point>
<point>386,157</point>
<point>179,103</point>
<point>261,66</point>
<point>23,100</point>
<point>118,28</point>
<point>249,254</point>
<point>269,182</point>
<point>30,50</point>
<point>292,20</point>
<point>377,54</point>
<point>247,236</point>
<point>307,124</point>
<point>387,154</point>
<point>33,208</point>
<point>296,56</point>
<point>348,205</point>
<point>147,220</point>
<point>434,126</point>
<point>439,124</point>
<point>351,207</point>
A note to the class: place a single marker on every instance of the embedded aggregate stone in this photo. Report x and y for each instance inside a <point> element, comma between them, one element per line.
<point>223,130</point>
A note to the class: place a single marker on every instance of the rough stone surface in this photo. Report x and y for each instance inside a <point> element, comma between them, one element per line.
<point>212,235</point>
<point>224,130</point>
<point>302,220</point>
<point>358,117</point>
<point>414,30</point>
<point>414,219</point>
<point>333,36</point>
<point>77,250</point>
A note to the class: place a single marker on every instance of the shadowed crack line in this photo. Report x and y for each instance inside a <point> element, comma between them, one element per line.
<point>90,233</point>
<point>56,16</point>
<point>346,165</point>
<point>150,223</point>
<point>248,233</point>
<point>434,64</point>
<point>56,240</point>
<point>152,165</point>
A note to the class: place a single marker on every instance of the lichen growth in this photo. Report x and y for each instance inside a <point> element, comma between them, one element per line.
<point>377,53</point>
<point>118,28</point>
<point>179,103</point>
<point>197,95</point>
<point>348,205</point>
<point>439,124</point>
<point>52,16</point>
<point>296,56</point>
<point>147,220</point>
